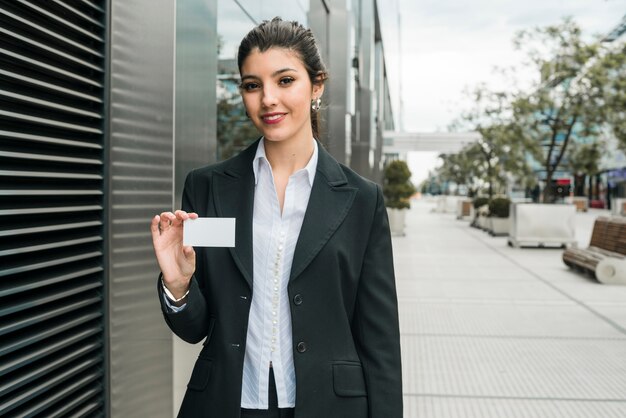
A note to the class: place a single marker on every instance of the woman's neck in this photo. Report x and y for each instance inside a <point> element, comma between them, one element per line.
<point>287,157</point>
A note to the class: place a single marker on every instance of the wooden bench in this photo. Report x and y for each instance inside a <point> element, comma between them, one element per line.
<point>606,255</point>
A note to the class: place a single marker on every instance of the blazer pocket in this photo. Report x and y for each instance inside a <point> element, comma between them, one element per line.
<point>348,379</point>
<point>200,374</point>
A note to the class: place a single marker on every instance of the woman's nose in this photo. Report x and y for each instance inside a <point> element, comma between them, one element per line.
<point>270,96</point>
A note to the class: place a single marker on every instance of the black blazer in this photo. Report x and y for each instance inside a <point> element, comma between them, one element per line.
<point>346,341</point>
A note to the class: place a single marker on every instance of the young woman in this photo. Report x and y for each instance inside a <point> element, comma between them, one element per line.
<point>300,318</point>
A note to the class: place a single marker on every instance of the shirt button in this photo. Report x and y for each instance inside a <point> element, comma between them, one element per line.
<point>301,347</point>
<point>297,299</point>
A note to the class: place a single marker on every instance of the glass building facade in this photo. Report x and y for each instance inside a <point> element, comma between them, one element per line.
<point>105,105</point>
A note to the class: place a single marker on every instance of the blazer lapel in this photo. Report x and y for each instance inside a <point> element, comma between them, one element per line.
<point>328,206</point>
<point>233,193</point>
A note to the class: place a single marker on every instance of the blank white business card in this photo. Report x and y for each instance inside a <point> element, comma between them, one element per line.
<point>209,232</point>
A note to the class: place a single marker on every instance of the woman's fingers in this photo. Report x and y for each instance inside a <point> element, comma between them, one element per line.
<point>163,222</point>
<point>154,227</point>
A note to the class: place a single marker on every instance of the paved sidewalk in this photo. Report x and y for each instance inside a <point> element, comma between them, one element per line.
<point>493,331</point>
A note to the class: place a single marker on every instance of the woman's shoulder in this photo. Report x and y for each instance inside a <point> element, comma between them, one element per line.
<point>238,163</point>
<point>358,181</point>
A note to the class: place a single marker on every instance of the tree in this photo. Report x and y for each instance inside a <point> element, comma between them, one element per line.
<point>457,168</point>
<point>570,99</point>
<point>584,160</point>
<point>464,168</point>
<point>397,187</point>
<point>614,61</point>
<point>501,151</point>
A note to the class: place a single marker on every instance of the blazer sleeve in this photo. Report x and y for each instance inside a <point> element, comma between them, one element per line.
<point>190,324</point>
<point>377,332</point>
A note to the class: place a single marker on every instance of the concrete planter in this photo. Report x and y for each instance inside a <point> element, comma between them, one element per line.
<point>618,206</point>
<point>464,209</point>
<point>447,204</point>
<point>396,221</point>
<point>539,224</point>
<point>482,222</point>
<point>499,227</point>
<point>581,203</point>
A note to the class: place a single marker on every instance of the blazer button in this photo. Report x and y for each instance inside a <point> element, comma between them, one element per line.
<point>301,347</point>
<point>297,299</point>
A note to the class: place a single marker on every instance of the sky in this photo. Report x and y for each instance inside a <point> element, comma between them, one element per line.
<point>448,46</point>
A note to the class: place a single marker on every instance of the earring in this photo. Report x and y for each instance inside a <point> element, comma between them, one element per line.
<point>315,104</point>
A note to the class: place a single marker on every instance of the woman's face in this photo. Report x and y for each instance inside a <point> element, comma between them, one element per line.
<point>277,94</point>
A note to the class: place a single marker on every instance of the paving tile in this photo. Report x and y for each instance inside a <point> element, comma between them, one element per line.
<point>494,331</point>
<point>545,368</point>
<point>509,320</point>
<point>478,289</point>
<point>452,407</point>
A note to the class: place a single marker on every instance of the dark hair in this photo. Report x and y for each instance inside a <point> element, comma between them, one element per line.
<point>277,33</point>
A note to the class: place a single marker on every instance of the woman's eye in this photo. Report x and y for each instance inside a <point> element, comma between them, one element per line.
<point>250,86</point>
<point>285,81</point>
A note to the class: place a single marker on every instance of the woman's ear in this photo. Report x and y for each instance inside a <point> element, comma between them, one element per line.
<point>318,90</point>
<point>318,84</point>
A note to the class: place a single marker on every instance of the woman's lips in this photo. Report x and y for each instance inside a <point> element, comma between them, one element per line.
<point>273,118</point>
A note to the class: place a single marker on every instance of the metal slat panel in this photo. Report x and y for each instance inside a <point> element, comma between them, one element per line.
<point>47,140</point>
<point>49,122</point>
<point>53,34</point>
<point>141,147</point>
<point>42,66</point>
<point>41,335</point>
<point>60,55</point>
<point>47,157</point>
<point>48,263</point>
<point>49,228</point>
<point>33,283</point>
<point>49,104</point>
<point>85,409</point>
<point>49,246</point>
<point>48,210</point>
<point>52,72</point>
<point>53,390</point>
<point>43,314</point>
<point>65,22</point>
<point>48,86</point>
<point>39,301</point>
<point>50,365</point>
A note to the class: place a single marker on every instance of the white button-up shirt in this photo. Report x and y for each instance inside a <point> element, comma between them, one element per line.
<point>274,236</point>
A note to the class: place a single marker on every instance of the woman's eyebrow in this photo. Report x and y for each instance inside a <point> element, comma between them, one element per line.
<point>274,74</point>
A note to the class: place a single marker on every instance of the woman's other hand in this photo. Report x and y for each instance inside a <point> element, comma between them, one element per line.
<point>177,261</point>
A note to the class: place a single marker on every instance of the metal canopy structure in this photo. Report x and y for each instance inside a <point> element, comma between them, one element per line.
<point>400,143</point>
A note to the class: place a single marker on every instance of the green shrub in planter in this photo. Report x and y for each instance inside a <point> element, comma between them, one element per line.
<point>397,186</point>
<point>499,207</point>
<point>480,201</point>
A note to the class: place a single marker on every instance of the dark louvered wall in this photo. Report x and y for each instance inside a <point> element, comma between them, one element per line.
<point>52,71</point>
